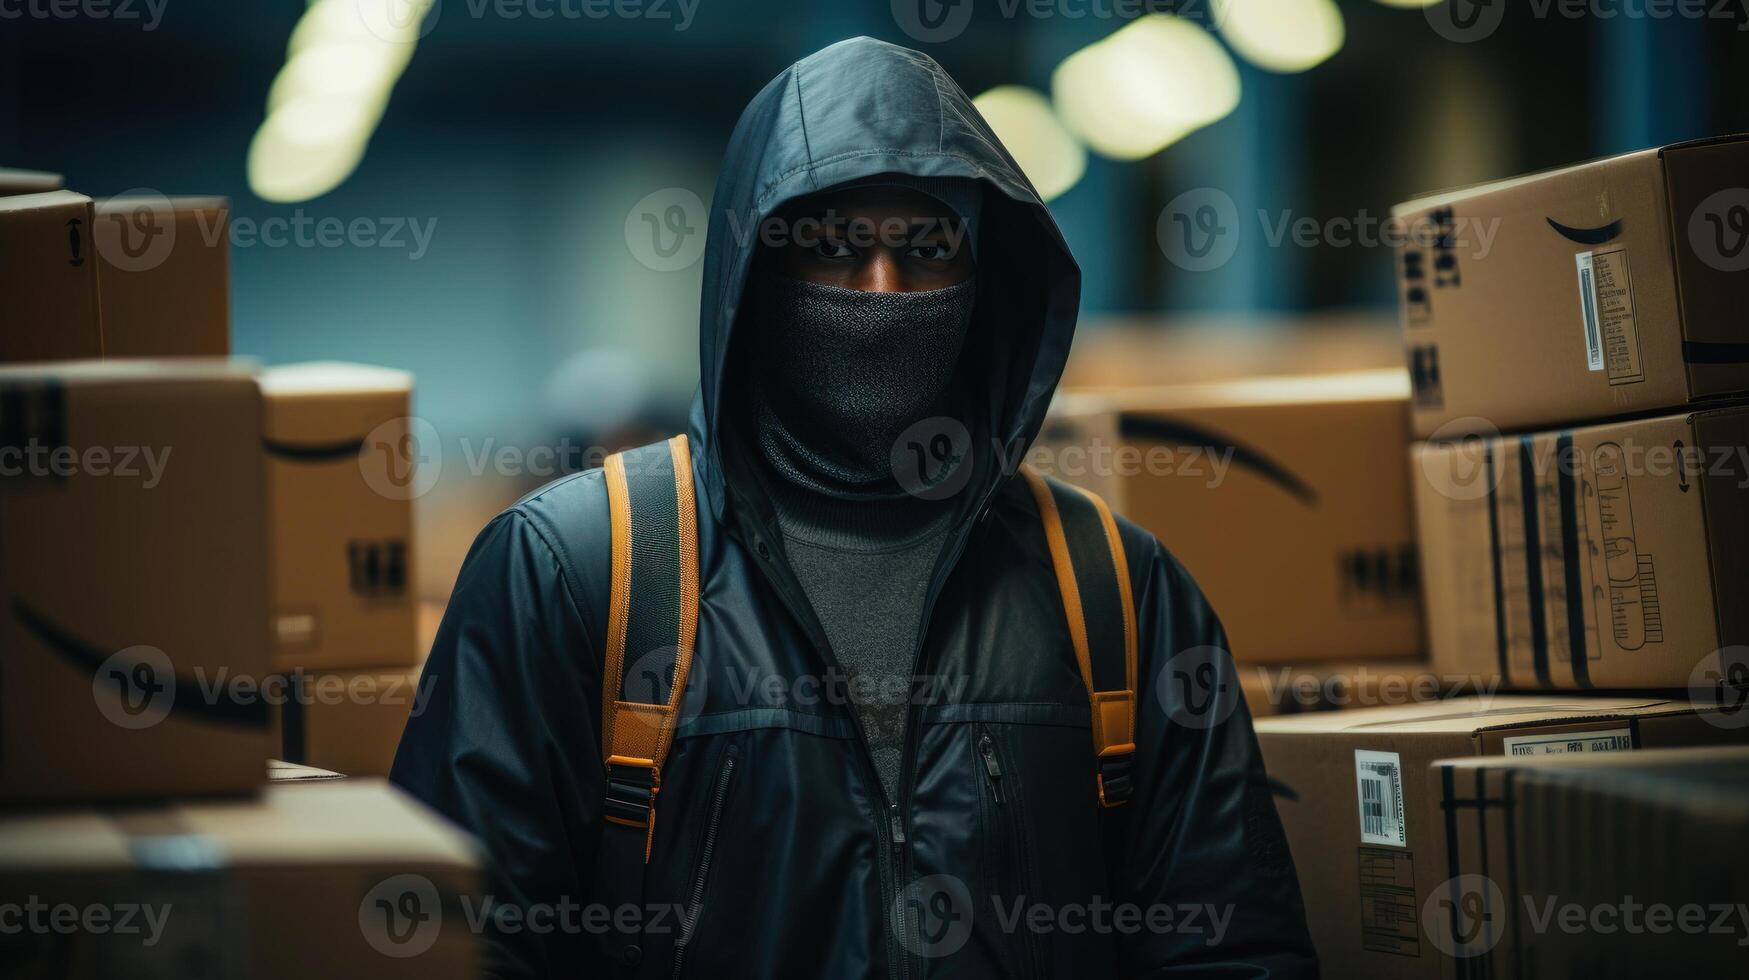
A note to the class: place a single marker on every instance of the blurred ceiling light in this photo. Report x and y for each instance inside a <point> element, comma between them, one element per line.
<point>1281,35</point>
<point>1141,89</point>
<point>1045,150</point>
<point>342,70</point>
<point>344,58</point>
<point>307,147</point>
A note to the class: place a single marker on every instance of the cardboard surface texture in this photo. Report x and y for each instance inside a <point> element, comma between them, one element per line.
<point>1603,289</point>
<point>1609,556</point>
<point>1595,865</point>
<point>165,274</point>
<point>132,582</point>
<point>1287,500</point>
<point>340,474</point>
<point>13,182</point>
<point>343,878</point>
<point>349,721</point>
<point>1361,805</point>
<point>50,303</point>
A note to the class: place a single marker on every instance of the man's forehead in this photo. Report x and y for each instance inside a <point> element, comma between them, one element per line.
<point>873,203</point>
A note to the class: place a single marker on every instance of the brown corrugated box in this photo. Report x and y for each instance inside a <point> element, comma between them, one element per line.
<point>50,303</point>
<point>342,516</point>
<point>1300,688</point>
<point>1361,805</point>
<point>349,721</point>
<point>133,586</point>
<point>165,274</point>
<point>341,878</point>
<point>1530,837</point>
<point>28,182</point>
<point>1288,501</point>
<point>1608,288</point>
<point>1644,521</point>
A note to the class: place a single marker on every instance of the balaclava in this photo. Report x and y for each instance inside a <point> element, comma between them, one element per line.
<point>839,374</point>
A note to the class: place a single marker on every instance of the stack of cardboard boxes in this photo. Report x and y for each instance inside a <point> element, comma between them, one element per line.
<point>1577,346</point>
<point>1287,500</point>
<point>187,548</point>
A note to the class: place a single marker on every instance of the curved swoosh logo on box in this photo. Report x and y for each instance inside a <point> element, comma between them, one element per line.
<point>191,699</point>
<point>1185,434</point>
<point>1587,236</point>
<point>313,452</point>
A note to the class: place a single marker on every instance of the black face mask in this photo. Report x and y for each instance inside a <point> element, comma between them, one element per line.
<point>838,374</point>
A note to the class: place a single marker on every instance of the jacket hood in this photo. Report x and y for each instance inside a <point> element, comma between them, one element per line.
<point>863,107</point>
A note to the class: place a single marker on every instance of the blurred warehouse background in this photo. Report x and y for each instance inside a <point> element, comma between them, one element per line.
<point>496,175</point>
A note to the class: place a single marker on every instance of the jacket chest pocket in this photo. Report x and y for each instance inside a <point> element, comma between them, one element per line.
<point>1007,847</point>
<point>722,781</point>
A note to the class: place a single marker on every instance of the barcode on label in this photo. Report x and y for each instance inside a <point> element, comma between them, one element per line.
<point>1372,806</point>
<point>1588,310</point>
<point>1605,740</point>
<point>1379,777</point>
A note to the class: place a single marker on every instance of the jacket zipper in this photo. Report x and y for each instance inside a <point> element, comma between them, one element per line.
<point>992,765</point>
<point>696,903</point>
<point>1014,844</point>
<point>890,832</point>
<point>902,857</point>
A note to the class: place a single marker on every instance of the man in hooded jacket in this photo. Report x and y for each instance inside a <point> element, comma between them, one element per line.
<point>884,765</point>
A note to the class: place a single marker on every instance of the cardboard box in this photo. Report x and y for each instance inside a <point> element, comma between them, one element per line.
<point>1116,351</point>
<point>164,270</point>
<point>1604,557</point>
<point>347,878</point>
<point>279,771</point>
<point>133,580</point>
<point>1684,817</point>
<point>28,182</point>
<point>1301,688</point>
<point>1287,500</point>
<point>342,482</point>
<point>349,721</point>
<point>1598,290</point>
<point>50,302</point>
<point>1531,839</point>
<point>1361,805</point>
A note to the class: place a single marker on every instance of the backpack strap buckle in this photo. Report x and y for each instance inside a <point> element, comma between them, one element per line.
<point>632,785</point>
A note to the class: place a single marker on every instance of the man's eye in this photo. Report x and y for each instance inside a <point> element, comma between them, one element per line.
<point>931,253</point>
<point>833,250</point>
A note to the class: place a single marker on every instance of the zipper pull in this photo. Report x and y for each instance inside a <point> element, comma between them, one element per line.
<point>992,765</point>
<point>897,824</point>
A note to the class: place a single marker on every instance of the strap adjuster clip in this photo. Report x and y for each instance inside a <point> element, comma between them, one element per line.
<point>632,785</point>
<point>1116,777</point>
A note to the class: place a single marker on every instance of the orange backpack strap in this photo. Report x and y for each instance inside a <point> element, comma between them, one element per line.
<point>1094,578</point>
<point>652,619</point>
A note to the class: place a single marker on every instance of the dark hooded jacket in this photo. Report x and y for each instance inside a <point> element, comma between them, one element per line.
<point>772,828</point>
